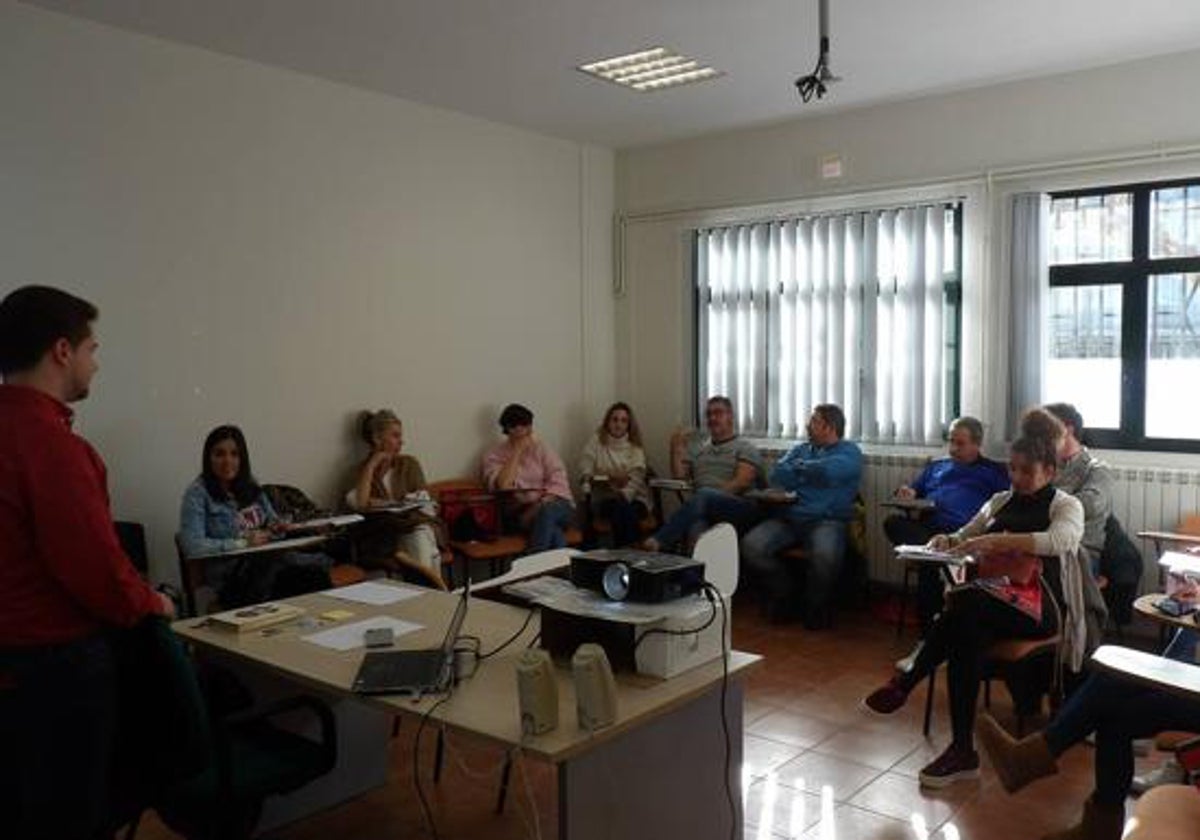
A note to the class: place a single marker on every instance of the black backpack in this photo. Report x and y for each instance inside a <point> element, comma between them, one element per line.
<point>1121,564</point>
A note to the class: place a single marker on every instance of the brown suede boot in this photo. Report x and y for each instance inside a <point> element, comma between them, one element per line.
<point>1017,763</point>
<point>1100,822</point>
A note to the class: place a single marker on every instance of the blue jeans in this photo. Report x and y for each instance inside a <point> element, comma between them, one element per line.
<point>1118,711</point>
<point>547,530</point>
<point>824,542</point>
<point>706,507</point>
<point>1183,646</point>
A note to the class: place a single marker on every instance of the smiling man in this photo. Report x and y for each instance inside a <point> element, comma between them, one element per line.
<point>64,580</point>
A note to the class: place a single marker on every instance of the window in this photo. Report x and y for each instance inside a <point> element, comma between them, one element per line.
<point>1124,341</point>
<point>861,309</point>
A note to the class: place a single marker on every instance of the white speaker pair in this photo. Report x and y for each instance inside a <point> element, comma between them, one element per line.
<point>537,690</point>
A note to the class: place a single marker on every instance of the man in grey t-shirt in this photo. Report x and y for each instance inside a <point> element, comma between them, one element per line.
<point>1085,477</point>
<point>721,470</point>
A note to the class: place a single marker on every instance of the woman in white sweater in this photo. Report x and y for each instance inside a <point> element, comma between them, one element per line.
<point>612,471</point>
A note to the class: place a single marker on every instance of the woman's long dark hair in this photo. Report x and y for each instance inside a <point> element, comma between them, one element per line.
<point>244,490</point>
<point>1039,435</point>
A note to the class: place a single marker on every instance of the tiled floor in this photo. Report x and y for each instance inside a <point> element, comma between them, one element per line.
<point>816,765</point>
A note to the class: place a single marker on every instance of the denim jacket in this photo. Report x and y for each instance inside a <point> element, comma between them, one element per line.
<point>207,526</point>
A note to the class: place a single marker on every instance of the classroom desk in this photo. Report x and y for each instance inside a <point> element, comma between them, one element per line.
<point>1145,605</point>
<point>1180,678</point>
<point>657,772</point>
<point>288,544</point>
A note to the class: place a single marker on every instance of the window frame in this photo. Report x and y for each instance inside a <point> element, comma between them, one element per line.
<point>1133,276</point>
<point>952,371</point>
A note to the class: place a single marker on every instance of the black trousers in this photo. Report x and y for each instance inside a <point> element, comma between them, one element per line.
<point>58,710</point>
<point>902,529</point>
<point>961,636</point>
<point>624,516</point>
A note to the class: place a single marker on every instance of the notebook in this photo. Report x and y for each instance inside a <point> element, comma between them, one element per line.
<point>412,672</point>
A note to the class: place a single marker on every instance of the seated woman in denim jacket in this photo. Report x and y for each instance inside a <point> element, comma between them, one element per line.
<point>225,509</point>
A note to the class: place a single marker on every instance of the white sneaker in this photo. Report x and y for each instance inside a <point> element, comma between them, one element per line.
<point>905,664</point>
<point>1170,772</point>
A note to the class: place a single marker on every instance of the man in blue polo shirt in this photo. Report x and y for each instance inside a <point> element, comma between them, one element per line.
<point>823,472</point>
<point>958,486</point>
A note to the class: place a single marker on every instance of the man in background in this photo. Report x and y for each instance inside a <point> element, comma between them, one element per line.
<point>957,486</point>
<point>721,470</point>
<point>823,472</point>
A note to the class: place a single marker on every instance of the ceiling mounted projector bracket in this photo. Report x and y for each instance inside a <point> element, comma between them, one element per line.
<point>817,82</point>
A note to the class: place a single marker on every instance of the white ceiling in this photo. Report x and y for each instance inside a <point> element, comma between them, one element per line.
<point>512,60</point>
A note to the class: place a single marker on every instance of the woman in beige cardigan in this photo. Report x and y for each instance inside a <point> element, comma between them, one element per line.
<point>612,470</point>
<point>386,479</point>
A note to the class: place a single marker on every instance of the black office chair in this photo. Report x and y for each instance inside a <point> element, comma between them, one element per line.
<point>132,536</point>
<point>205,769</point>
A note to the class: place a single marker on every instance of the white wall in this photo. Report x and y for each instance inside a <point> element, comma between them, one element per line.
<point>966,144</point>
<point>279,251</point>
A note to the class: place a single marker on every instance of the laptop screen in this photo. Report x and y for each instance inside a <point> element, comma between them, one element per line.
<point>456,622</point>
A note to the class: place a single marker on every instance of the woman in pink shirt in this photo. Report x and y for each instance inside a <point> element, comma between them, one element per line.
<point>537,496</point>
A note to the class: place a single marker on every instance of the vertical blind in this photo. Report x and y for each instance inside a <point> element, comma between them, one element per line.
<point>858,309</point>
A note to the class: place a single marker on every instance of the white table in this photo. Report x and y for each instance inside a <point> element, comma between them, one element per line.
<point>657,772</point>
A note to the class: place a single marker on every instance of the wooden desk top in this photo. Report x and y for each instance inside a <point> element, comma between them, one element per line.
<point>1168,674</point>
<point>268,547</point>
<point>1145,605</point>
<point>485,704</point>
<point>1170,536</point>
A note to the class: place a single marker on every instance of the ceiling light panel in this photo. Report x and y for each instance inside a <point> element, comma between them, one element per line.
<point>657,68</point>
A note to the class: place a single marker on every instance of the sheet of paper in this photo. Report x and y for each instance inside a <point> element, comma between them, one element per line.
<point>350,636</point>
<point>377,594</point>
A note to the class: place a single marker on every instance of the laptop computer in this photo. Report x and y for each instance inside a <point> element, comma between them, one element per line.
<point>412,672</point>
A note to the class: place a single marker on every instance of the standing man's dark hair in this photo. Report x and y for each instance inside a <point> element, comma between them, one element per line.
<point>65,583</point>
<point>33,318</point>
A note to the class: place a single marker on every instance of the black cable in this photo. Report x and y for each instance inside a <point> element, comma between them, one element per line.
<point>661,631</point>
<point>511,638</point>
<point>425,809</point>
<point>734,817</point>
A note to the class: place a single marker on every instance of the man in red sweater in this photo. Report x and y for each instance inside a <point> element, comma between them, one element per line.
<point>64,580</point>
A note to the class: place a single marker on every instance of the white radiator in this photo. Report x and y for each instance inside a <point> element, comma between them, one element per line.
<point>1143,499</point>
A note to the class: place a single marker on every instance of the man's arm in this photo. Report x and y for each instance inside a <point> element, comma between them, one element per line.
<point>743,478</point>
<point>74,534</point>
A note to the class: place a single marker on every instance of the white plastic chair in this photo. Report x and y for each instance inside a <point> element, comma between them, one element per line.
<point>717,548</point>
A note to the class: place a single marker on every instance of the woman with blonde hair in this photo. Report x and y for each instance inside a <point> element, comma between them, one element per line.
<point>388,479</point>
<point>612,471</point>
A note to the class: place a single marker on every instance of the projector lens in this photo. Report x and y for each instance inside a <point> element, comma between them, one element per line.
<point>616,581</point>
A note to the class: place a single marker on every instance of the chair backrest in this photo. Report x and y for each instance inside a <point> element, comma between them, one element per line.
<point>1190,525</point>
<point>191,575</point>
<point>717,548</point>
<point>132,536</point>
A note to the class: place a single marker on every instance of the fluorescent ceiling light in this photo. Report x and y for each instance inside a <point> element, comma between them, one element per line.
<point>653,69</point>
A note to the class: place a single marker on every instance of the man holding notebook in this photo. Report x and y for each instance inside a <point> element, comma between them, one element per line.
<point>64,580</point>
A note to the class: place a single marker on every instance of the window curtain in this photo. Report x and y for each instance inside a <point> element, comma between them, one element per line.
<point>849,309</point>
<point>1029,291</point>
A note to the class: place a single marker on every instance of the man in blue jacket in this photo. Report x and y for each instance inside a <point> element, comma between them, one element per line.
<point>823,472</point>
<point>958,486</point>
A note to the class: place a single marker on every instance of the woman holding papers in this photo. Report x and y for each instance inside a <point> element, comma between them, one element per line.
<point>612,471</point>
<point>225,510</point>
<point>1026,585</point>
<point>537,497</point>
<point>393,484</point>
